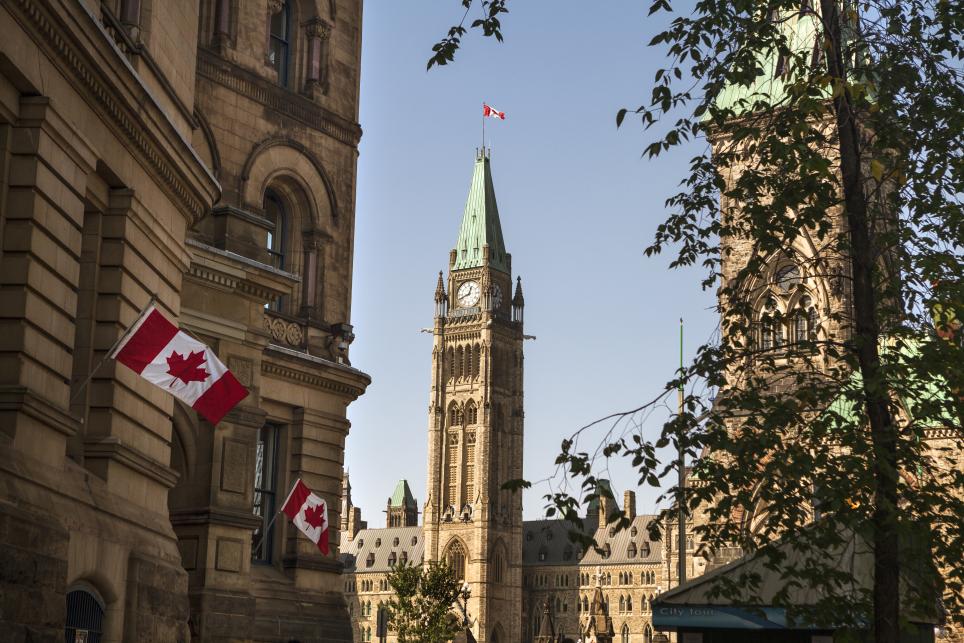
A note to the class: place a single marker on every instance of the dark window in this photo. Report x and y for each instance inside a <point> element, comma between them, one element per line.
<point>265,492</point>
<point>278,54</point>
<point>85,616</point>
<point>274,211</point>
<point>456,559</point>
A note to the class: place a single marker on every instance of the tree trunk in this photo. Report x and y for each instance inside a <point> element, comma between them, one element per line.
<point>886,622</point>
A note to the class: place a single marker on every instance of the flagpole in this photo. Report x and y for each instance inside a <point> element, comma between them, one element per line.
<point>483,129</point>
<point>110,351</point>
<point>267,529</point>
<point>682,468</point>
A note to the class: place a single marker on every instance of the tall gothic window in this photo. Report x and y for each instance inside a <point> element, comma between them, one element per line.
<point>470,467</point>
<point>265,491</point>
<point>279,43</point>
<point>453,468</point>
<point>455,558</point>
<point>624,637</point>
<point>472,414</point>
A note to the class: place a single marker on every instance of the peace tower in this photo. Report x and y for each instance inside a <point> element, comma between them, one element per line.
<point>476,418</point>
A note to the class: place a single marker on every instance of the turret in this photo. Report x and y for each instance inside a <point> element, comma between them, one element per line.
<point>441,299</point>
<point>518,301</point>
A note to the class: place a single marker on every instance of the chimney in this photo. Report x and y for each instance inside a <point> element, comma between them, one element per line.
<point>629,504</point>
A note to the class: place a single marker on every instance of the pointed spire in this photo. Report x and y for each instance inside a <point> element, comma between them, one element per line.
<point>440,289</point>
<point>546,630</point>
<point>481,227</point>
<point>518,299</point>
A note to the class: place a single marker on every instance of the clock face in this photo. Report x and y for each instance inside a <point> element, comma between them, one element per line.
<point>496,297</point>
<point>468,294</point>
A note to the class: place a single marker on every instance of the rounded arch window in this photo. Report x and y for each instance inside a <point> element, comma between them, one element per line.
<point>85,615</point>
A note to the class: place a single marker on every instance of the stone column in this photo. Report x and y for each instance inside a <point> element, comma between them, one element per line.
<point>318,33</point>
<point>221,38</point>
<point>43,219</point>
<point>312,245</point>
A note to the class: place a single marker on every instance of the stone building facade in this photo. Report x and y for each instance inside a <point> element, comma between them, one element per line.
<point>202,153</point>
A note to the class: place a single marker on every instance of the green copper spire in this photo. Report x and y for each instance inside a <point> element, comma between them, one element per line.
<point>480,222</point>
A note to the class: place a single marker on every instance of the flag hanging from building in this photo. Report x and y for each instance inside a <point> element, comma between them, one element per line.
<point>491,112</point>
<point>309,513</point>
<point>169,358</point>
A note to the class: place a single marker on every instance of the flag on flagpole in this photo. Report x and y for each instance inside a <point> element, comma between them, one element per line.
<point>169,358</point>
<point>309,513</point>
<point>491,112</point>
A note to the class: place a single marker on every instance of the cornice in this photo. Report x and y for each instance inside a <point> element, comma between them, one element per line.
<point>316,372</point>
<point>89,75</point>
<point>250,85</point>
<point>215,515</point>
<point>112,448</point>
<point>227,270</point>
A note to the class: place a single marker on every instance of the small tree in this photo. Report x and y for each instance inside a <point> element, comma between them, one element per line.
<point>422,609</point>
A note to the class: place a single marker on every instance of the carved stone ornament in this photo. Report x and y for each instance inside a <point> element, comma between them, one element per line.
<point>284,331</point>
<point>274,6</point>
<point>318,28</point>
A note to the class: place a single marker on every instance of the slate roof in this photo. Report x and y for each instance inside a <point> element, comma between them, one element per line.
<point>380,543</point>
<point>551,537</point>
<point>480,222</point>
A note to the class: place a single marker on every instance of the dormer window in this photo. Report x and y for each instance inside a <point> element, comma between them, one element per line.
<point>392,559</point>
<point>395,542</point>
<point>378,543</point>
<point>370,560</point>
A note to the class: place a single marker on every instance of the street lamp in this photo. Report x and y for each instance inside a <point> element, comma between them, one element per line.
<point>462,600</point>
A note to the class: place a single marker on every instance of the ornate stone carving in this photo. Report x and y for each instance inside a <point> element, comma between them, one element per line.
<point>283,331</point>
<point>318,28</point>
<point>274,6</point>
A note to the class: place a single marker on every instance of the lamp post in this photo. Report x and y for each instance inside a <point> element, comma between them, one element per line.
<point>462,600</point>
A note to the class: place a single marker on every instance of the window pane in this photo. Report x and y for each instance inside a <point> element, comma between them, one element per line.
<point>265,489</point>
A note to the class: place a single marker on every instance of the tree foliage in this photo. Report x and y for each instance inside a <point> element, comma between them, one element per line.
<point>828,138</point>
<point>422,609</point>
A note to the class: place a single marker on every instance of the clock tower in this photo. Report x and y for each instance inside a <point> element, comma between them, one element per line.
<point>476,418</point>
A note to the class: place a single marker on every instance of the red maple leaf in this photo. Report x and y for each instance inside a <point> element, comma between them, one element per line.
<point>315,516</point>
<point>187,370</point>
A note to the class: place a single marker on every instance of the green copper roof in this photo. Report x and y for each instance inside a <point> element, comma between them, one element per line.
<point>402,496</point>
<point>768,88</point>
<point>480,223</point>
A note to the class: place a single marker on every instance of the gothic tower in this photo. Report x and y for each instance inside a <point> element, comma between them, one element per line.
<point>476,417</point>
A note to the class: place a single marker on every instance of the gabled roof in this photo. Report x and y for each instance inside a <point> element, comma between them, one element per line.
<point>480,222</point>
<point>402,496</point>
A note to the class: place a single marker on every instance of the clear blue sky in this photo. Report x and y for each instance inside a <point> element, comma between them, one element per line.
<point>578,206</point>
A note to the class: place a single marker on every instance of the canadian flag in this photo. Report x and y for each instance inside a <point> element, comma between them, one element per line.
<point>492,112</point>
<point>309,513</point>
<point>156,350</point>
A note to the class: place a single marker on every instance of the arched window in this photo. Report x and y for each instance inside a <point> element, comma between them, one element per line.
<point>622,604</point>
<point>805,321</point>
<point>585,604</point>
<point>459,361</point>
<point>476,361</point>
<point>279,43</point>
<point>471,413</point>
<point>274,212</point>
<point>85,613</point>
<point>498,566</point>
<point>455,557</point>
<point>451,363</point>
<point>629,603</point>
<point>648,634</point>
<point>624,637</point>
<point>787,277</point>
